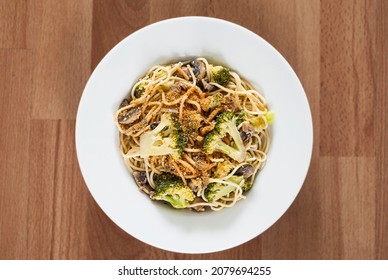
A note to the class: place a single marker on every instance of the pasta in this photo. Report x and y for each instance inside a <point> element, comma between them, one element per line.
<point>194,134</point>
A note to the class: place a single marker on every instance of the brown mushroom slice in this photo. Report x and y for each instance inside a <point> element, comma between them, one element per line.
<point>142,182</point>
<point>207,87</point>
<point>130,116</point>
<point>199,69</point>
<point>246,131</point>
<point>124,103</point>
<point>246,170</point>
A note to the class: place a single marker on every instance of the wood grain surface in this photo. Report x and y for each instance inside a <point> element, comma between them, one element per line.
<point>339,50</point>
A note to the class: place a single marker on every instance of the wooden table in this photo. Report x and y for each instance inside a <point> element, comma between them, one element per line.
<point>48,49</point>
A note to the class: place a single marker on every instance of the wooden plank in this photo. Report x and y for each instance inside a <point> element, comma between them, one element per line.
<point>357,195</point>
<point>41,203</point>
<point>348,210</point>
<point>294,234</point>
<point>60,34</point>
<point>379,46</point>
<point>113,21</point>
<point>272,20</point>
<point>307,67</point>
<point>57,194</point>
<point>15,74</point>
<point>13,24</point>
<point>347,83</point>
<point>161,10</point>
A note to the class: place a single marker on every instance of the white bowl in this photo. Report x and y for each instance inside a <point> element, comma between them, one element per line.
<point>112,185</point>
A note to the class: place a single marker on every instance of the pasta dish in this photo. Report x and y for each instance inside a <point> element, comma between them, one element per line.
<point>194,134</point>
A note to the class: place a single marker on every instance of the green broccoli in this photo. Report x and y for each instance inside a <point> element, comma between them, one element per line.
<point>216,190</point>
<point>171,188</point>
<point>166,138</point>
<point>220,75</point>
<point>223,168</point>
<point>139,90</point>
<point>246,186</point>
<point>226,123</point>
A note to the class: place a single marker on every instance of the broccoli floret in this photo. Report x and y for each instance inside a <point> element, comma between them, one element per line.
<point>227,118</point>
<point>222,169</point>
<point>247,186</point>
<point>166,138</point>
<point>220,75</point>
<point>226,123</point>
<point>171,188</point>
<point>139,90</point>
<point>216,190</point>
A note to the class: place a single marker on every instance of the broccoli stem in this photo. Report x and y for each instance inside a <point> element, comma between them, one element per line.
<point>229,151</point>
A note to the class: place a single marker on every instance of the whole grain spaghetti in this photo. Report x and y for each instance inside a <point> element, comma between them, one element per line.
<point>194,134</point>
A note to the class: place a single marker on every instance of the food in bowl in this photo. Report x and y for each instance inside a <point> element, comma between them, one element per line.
<point>194,134</point>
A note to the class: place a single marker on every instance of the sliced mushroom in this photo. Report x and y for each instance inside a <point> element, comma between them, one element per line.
<point>130,116</point>
<point>206,86</point>
<point>246,170</point>
<point>199,69</point>
<point>142,182</point>
<point>124,103</point>
<point>246,131</point>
